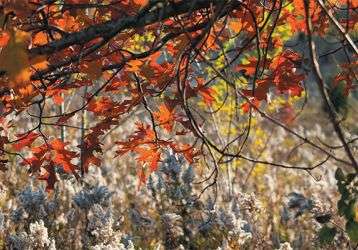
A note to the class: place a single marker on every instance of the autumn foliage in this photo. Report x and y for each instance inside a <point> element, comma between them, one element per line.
<point>168,57</point>
<point>173,87</point>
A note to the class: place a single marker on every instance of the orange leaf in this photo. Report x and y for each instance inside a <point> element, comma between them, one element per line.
<point>4,38</point>
<point>187,150</point>
<point>235,25</point>
<point>40,39</point>
<point>246,106</point>
<point>141,3</point>
<point>50,177</point>
<point>57,99</point>
<point>25,140</point>
<point>248,68</point>
<point>101,105</point>
<point>165,117</point>
<point>208,95</point>
<point>14,58</point>
<point>26,91</point>
<point>148,155</point>
<point>134,65</point>
<point>63,156</point>
<point>67,22</point>
<point>205,92</point>
<point>57,144</point>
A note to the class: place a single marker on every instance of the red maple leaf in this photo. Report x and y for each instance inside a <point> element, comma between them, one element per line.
<point>25,140</point>
<point>62,156</point>
<point>100,106</point>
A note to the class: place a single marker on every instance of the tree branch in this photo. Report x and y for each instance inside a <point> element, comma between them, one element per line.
<point>339,27</point>
<point>321,86</point>
<point>111,28</point>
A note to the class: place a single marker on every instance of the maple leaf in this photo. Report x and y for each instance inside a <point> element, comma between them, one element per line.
<point>188,151</point>
<point>149,155</point>
<point>57,99</point>
<point>285,76</point>
<point>55,93</point>
<point>90,145</point>
<point>35,163</point>
<point>145,145</point>
<point>156,73</point>
<point>246,106</point>
<point>25,140</point>
<point>142,177</point>
<point>50,177</point>
<point>100,106</point>
<point>261,90</point>
<point>165,116</point>
<point>207,94</point>
<point>57,144</point>
<point>143,133</point>
<point>63,157</point>
<point>346,77</point>
<point>248,68</point>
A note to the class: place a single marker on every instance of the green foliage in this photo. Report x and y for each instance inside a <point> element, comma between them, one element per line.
<point>352,230</point>
<point>326,234</point>
<point>347,187</point>
<point>338,98</point>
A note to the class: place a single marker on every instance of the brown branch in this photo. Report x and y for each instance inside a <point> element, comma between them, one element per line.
<point>111,28</point>
<point>323,91</point>
<point>339,26</point>
<point>147,108</point>
<point>269,118</point>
